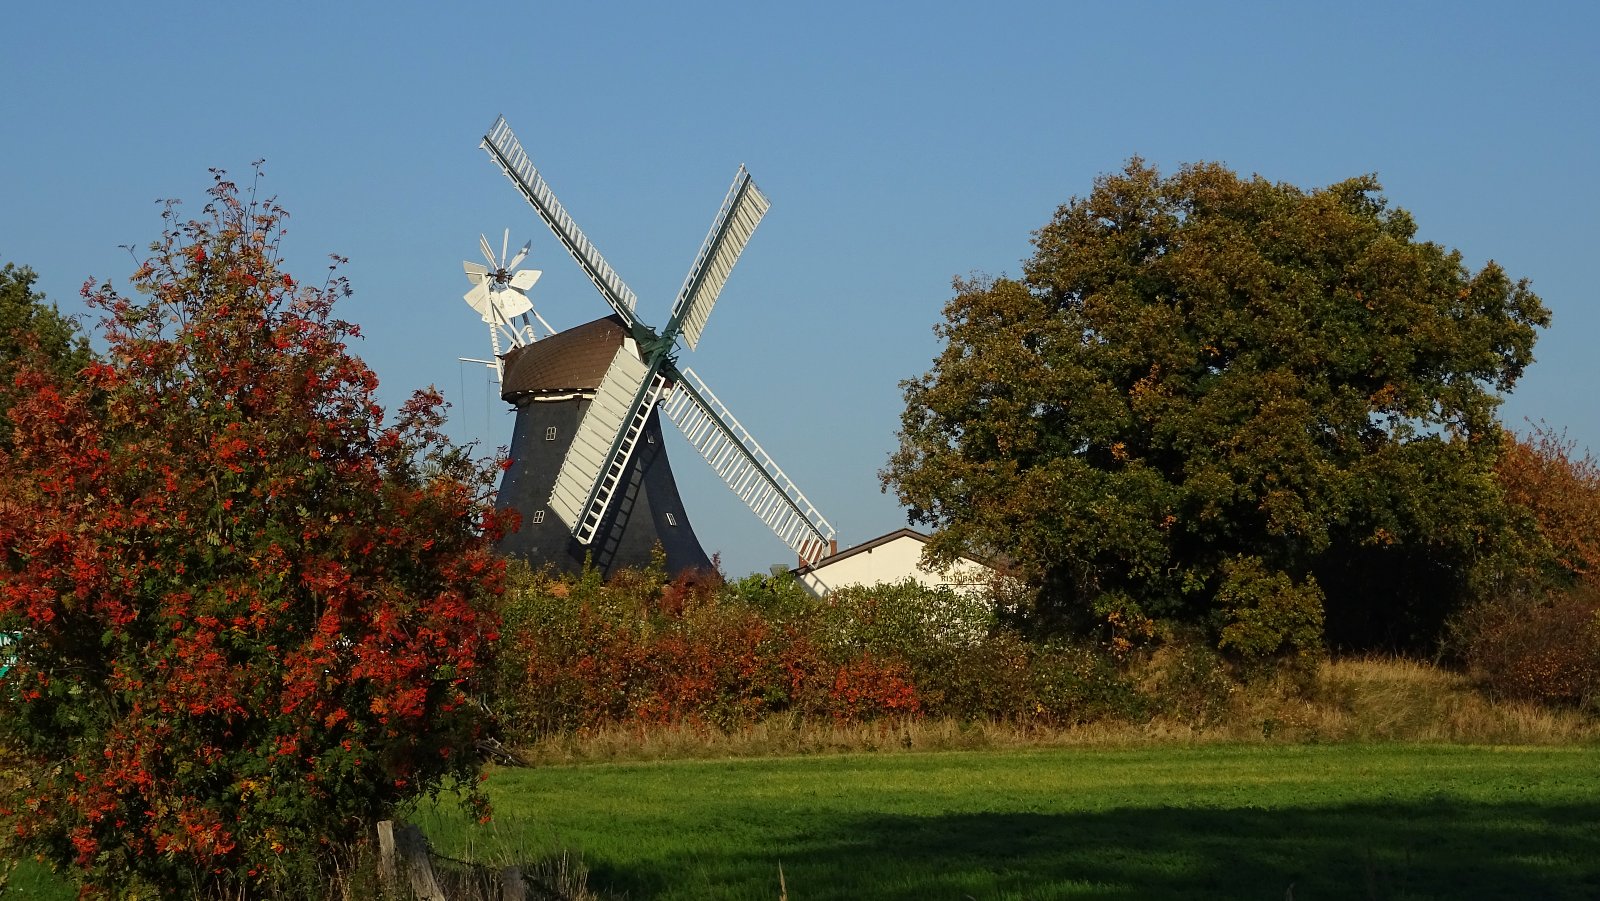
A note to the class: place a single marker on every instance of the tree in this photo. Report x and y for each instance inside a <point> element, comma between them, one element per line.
<point>252,613</point>
<point>1544,476</point>
<point>1228,402</point>
<point>30,327</point>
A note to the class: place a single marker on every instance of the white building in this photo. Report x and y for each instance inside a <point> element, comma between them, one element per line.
<point>891,558</point>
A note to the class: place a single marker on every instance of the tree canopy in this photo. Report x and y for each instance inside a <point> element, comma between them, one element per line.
<point>251,613</point>
<point>32,329</point>
<point>1227,401</point>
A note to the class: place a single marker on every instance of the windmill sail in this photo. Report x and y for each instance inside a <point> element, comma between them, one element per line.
<point>504,148</point>
<point>596,461</point>
<point>741,212</point>
<point>747,469</point>
<point>596,464</point>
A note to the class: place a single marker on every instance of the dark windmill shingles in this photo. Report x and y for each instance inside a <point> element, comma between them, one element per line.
<point>573,360</point>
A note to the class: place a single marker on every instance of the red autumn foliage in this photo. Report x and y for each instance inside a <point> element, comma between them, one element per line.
<point>252,613</point>
<point>642,652</point>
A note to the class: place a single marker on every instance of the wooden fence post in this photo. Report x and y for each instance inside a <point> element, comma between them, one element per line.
<point>413,848</point>
<point>512,887</point>
<point>386,870</point>
<point>407,849</point>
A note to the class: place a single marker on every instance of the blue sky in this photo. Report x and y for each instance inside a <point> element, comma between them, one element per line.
<point>901,145</point>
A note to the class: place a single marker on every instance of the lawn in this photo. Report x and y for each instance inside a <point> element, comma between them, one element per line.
<point>1334,821</point>
<point>1220,822</point>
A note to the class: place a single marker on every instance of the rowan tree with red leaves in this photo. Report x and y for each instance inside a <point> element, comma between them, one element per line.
<point>252,612</point>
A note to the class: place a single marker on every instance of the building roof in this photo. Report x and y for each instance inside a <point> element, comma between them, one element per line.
<point>878,542</point>
<point>862,548</point>
<point>573,360</point>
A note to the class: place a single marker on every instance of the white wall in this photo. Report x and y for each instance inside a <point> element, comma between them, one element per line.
<point>892,561</point>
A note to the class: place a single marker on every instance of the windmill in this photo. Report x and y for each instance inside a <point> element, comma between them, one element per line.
<point>500,296</point>
<point>593,393</point>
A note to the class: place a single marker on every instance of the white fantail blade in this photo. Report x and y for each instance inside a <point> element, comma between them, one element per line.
<point>475,271</point>
<point>521,255</point>
<point>509,303</point>
<point>478,299</point>
<point>505,244</point>
<point>525,278</point>
<point>488,252</point>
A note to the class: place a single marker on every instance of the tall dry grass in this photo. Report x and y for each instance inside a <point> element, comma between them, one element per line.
<point>1387,699</point>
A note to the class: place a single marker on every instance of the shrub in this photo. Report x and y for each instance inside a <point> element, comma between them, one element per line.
<point>866,688</point>
<point>780,598</point>
<point>1073,684</point>
<point>639,650</point>
<point>1542,647</point>
<point>250,612</point>
<point>1266,617</point>
<point>582,655</point>
<point>1187,681</point>
<point>985,678</point>
<point>907,616</point>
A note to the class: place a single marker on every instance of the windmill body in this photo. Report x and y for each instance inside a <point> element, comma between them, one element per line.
<point>589,472</point>
<point>552,384</point>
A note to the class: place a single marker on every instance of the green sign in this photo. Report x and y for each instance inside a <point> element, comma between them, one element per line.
<point>6,659</point>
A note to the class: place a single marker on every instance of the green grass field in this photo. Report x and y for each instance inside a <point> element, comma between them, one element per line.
<point>1337,821</point>
<point>1219,822</point>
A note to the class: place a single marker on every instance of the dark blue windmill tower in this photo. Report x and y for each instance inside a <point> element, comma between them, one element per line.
<point>589,471</point>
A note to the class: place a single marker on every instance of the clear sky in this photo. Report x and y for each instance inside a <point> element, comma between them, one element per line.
<point>900,144</point>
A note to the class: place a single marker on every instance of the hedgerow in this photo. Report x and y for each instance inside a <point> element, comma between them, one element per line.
<point>582,654</point>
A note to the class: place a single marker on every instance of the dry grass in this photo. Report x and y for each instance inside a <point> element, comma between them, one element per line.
<point>785,737</point>
<point>1357,700</point>
<point>1386,699</point>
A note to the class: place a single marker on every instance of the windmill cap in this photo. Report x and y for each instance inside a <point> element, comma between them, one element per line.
<point>573,360</point>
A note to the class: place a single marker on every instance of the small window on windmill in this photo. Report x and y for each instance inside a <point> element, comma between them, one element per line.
<point>538,516</point>
<point>649,437</point>
<point>550,434</point>
<point>672,520</point>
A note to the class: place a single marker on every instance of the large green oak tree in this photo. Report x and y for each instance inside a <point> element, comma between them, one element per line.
<point>1229,402</point>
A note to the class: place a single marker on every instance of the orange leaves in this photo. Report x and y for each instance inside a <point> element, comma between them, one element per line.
<point>865,688</point>
<point>1543,475</point>
<point>1145,396</point>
